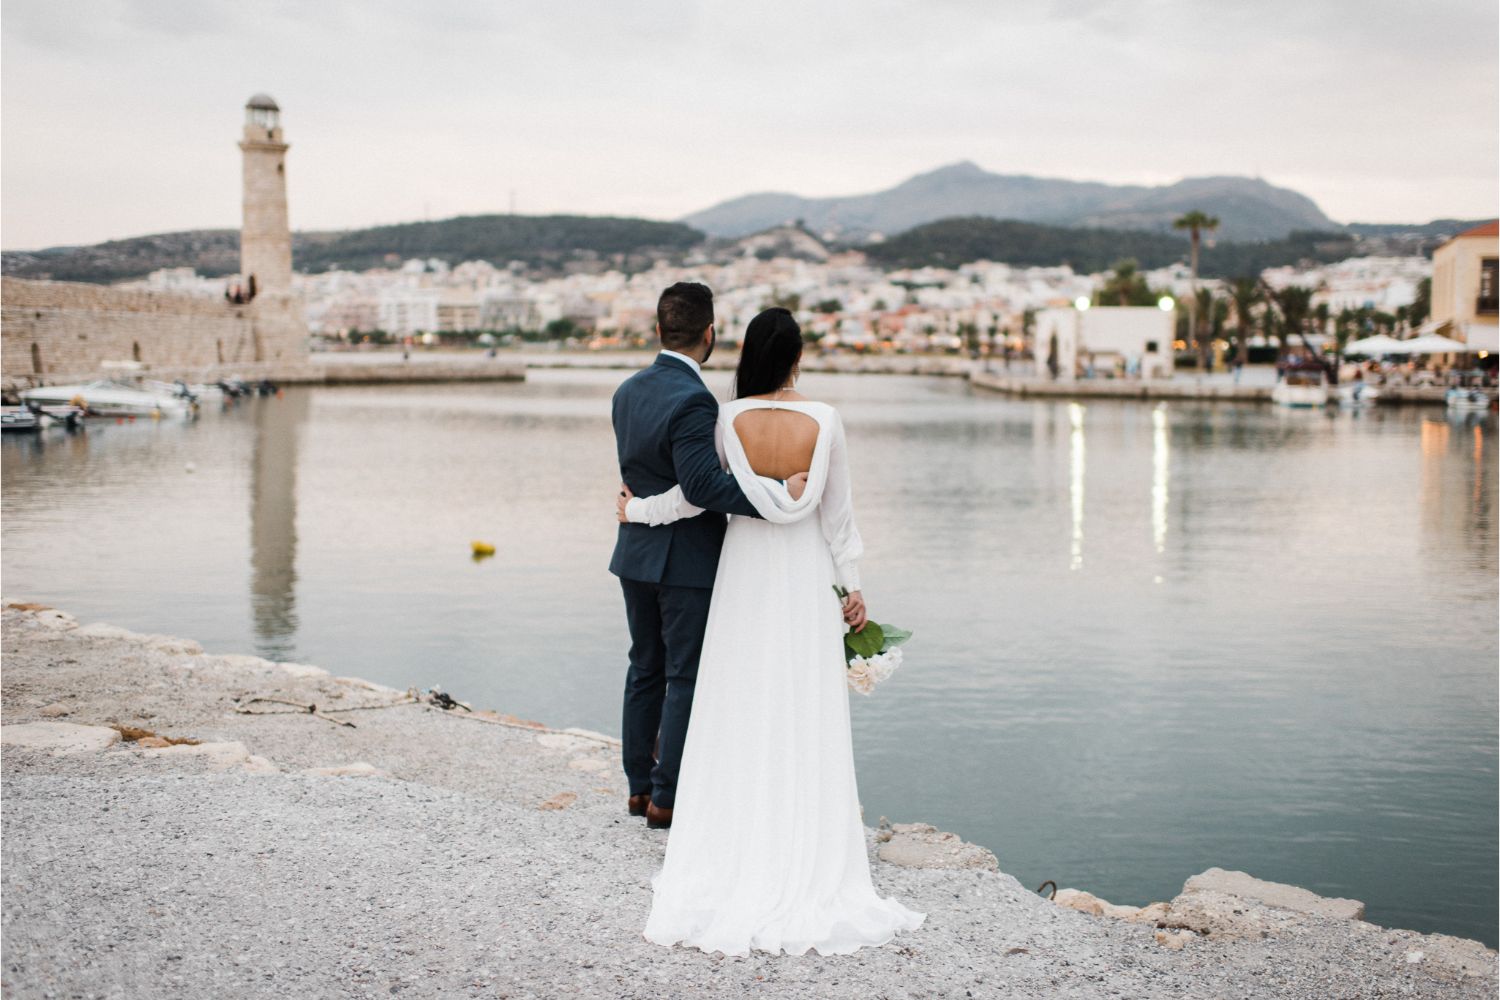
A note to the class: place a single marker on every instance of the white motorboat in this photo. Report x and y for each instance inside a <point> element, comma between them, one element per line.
<point>1302,387</point>
<point>19,419</point>
<point>1467,398</point>
<point>1358,393</point>
<point>108,398</point>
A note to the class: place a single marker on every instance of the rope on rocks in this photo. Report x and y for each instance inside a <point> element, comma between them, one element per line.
<point>1050,895</point>
<point>436,698</point>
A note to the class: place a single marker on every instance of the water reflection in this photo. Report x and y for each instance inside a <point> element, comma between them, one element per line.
<point>273,524</point>
<point>1075,482</point>
<point>1161,462</point>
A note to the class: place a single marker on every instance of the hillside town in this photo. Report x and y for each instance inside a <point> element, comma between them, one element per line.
<point>841,299</point>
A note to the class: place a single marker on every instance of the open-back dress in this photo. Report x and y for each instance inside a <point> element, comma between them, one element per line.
<point>767,848</point>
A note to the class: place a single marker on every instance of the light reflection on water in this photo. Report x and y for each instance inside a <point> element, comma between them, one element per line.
<point>1150,639</point>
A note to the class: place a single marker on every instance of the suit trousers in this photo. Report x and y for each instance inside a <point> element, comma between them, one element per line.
<point>666,636</point>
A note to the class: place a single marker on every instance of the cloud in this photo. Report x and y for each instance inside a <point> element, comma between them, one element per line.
<point>121,115</point>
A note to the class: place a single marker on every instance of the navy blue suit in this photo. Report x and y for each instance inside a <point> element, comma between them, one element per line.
<point>664,418</point>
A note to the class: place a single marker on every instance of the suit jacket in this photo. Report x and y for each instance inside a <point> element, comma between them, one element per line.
<point>664,418</point>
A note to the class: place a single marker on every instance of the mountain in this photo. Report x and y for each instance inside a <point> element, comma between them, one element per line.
<point>542,241</point>
<point>1248,208</point>
<point>951,242</point>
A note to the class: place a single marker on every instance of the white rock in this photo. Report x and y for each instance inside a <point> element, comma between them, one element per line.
<point>364,685</point>
<point>359,769</point>
<point>1277,894</point>
<point>172,644</point>
<point>591,764</point>
<point>103,630</point>
<point>918,845</point>
<point>1174,939</point>
<point>302,670</point>
<point>241,661</point>
<point>58,737</point>
<point>58,621</point>
<point>1413,957</point>
<point>1229,904</point>
<point>219,756</point>
<point>1077,899</point>
<point>55,710</point>
<point>260,765</point>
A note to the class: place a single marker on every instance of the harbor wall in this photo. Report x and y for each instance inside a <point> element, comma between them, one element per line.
<point>52,328</point>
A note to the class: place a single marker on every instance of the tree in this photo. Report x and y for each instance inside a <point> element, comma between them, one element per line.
<point>829,306</point>
<point>1421,306</point>
<point>1294,306</point>
<point>561,329</point>
<point>1126,286</point>
<point>1196,223</point>
<point>1245,293</point>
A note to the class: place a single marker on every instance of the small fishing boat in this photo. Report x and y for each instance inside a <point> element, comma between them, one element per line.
<point>109,398</point>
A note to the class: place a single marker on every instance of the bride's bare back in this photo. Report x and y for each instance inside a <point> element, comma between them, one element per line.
<point>778,443</point>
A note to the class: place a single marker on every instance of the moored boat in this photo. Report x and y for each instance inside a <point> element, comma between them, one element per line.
<point>108,398</point>
<point>1302,387</point>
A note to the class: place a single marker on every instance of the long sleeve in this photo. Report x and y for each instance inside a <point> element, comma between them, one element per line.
<point>695,459</point>
<point>663,508</point>
<point>837,512</point>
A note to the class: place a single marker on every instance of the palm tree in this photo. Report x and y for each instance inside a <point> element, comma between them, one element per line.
<point>1196,223</point>
<point>1294,303</point>
<point>1246,293</point>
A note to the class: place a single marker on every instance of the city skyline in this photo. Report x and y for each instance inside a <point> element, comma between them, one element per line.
<point>122,121</point>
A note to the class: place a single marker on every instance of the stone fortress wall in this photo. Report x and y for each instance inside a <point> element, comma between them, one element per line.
<point>62,330</point>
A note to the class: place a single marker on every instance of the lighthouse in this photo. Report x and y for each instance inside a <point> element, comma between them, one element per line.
<point>265,235</point>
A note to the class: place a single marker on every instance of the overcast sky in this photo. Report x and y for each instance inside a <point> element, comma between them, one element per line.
<point>120,117</point>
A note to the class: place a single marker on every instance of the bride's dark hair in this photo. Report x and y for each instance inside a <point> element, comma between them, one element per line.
<point>771,349</point>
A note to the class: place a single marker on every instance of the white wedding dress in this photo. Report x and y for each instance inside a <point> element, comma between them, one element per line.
<point>767,848</point>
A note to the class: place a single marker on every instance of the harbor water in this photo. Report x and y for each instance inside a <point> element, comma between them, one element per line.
<point>1151,638</point>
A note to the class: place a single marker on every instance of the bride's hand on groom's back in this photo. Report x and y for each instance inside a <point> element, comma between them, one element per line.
<point>797,485</point>
<point>620,501</point>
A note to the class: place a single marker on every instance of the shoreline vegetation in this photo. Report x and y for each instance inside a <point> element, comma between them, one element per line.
<point>201,824</point>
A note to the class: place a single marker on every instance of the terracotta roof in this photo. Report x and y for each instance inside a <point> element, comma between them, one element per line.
<point>1488,229</point>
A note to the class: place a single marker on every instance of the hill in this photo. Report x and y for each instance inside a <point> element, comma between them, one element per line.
<point>538,240</point>
<point>951,242</point>
<point>1248,208</point>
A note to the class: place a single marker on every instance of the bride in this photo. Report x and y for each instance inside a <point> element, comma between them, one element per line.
<point>767,848</point>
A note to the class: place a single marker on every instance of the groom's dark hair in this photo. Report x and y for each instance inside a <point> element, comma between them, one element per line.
<point>683,312</point>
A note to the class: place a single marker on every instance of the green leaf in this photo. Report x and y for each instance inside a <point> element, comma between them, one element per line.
<point>894,636</point>
<point>866,643</point>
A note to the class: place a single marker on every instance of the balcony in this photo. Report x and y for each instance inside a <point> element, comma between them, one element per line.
<point>1487,306</point>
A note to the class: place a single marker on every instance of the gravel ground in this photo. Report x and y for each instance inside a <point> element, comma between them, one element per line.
<point>488,861</point>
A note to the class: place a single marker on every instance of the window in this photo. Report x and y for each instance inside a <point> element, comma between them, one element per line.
<point>1489,286</point>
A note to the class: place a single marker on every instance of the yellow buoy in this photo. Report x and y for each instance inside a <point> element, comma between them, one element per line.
<point>482,548</point>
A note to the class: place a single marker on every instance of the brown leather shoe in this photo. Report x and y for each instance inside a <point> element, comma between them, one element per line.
<point>638,803</point>
<point>658,818</point>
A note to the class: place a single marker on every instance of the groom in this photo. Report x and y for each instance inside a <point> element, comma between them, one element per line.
<point>664,419</point>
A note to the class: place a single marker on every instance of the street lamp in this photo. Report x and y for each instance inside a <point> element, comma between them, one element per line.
<point>1165,304</point>
<point>1081,303</point>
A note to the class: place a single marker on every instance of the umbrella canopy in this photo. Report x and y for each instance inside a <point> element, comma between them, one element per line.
<point>1378,344</point>
<point>1433,344</point>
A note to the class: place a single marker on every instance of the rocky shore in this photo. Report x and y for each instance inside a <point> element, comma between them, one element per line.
<point>180,824</point>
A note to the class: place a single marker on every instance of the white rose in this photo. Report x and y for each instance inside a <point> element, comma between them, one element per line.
<point>859,675</point>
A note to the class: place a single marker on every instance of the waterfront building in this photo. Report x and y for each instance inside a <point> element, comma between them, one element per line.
<point>1465,286</point>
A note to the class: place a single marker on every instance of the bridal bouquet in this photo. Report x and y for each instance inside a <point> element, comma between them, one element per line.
<point>873,653</point>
